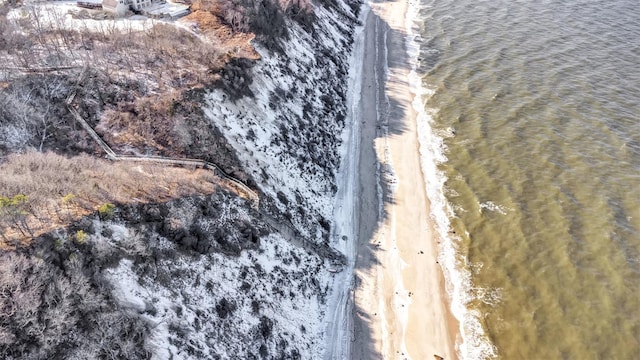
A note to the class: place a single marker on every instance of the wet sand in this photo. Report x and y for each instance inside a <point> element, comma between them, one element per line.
<point>400,308</point>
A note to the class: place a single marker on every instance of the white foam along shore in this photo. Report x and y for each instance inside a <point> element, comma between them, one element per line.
<point>473,342</point>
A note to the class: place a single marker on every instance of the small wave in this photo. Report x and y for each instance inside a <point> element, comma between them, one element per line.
<point>457,209</point>
<point>489,296</point>
<point>446,133</point>
<point>491,206</point>
<point>476,267</point>
<point>451,192</point>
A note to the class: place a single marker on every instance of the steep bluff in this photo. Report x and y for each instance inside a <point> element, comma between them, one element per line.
<point>188,274</point>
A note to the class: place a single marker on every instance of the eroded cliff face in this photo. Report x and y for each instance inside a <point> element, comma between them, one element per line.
<point>288,134</point>
<point>270,301</point>
<point>210,275</point>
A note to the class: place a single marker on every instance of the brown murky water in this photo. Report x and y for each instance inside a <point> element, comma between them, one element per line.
<point>538,107</point>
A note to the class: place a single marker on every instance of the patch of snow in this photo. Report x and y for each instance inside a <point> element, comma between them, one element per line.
<point>294,120</point>
<point>58,15</point>
<point>272,295</point>
<point>345,232</point>
<point>128,292</point>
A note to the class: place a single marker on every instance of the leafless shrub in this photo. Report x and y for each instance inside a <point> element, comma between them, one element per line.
<point>46,310</point>
<point>29,111</point>
<point>11,37</point>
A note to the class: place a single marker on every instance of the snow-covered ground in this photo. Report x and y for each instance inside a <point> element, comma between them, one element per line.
<point>267,300</point>
<point>338,338</point>
<point>288,135</point>
<point>65,15</point>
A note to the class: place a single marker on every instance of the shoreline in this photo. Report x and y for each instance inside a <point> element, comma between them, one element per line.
<point>401,308</point>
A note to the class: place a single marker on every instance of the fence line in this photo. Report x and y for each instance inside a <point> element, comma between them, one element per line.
<point>39,70</point>
<point>192,162</point>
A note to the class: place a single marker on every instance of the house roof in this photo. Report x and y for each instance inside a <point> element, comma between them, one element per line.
<point>110,4</point>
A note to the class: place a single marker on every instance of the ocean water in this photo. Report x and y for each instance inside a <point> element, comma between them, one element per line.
<point>530,136</point>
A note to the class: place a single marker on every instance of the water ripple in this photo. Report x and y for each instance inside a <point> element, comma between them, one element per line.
<point>543,97</point>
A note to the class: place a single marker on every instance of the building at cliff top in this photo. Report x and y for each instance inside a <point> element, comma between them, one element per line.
<point>152,8</point>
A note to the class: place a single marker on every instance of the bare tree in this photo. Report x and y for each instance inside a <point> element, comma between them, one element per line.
<point>43,306</point>
<point>28,107</point>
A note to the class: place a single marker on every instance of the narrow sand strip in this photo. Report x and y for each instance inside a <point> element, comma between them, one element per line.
<point>401,309</point>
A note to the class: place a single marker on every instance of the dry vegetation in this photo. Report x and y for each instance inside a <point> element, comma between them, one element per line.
<point>32,114</point>
<point>134,62</point>
<point>160,122</point>
<point>40,192</point>
<point>142,94</point>
<point>231,42</point>
<point>139,92</point>
<point>265,18</point>
<point>163,55</point>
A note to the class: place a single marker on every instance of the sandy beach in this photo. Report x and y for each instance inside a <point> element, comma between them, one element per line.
<point>400,306</point>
